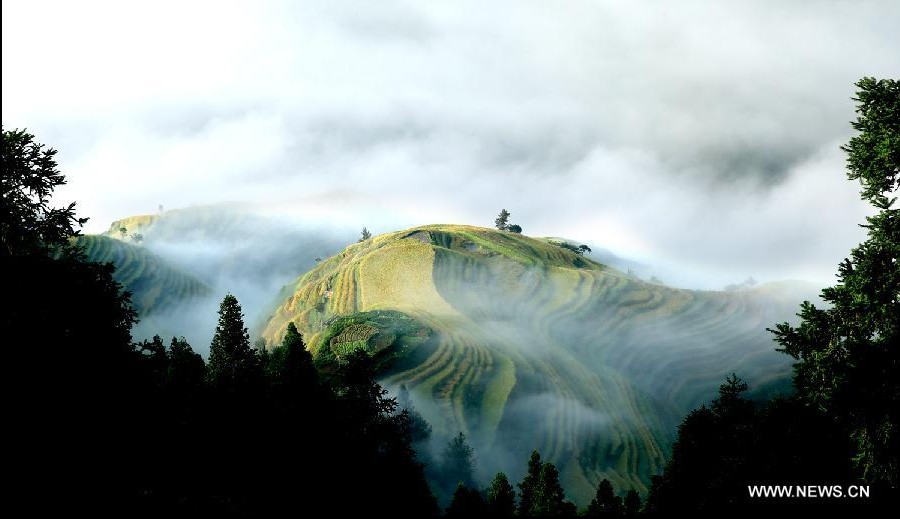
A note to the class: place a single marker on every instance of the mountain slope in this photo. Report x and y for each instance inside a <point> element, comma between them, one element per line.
<point>154,283</point>
<point>523,344</point>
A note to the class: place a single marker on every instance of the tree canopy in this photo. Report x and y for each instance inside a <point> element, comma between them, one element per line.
<point>848,357</point>
<point>501,220</point>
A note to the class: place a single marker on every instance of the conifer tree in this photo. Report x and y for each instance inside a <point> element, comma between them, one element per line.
<point>501,498</point>
<point>459,461</point>
<point>848,356</point>
<point>529,484</point>
<point>632,503</point>
<point>466,502</point>
<point>605,503</point>
<point>232,362</point>
<point>549,498</point>
<point>502,219</point>
<point>364,235</point>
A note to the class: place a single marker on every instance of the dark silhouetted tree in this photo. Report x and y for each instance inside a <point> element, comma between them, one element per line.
<point>848,355</point>
<point>458,461</point>
<point>501,220</point>
<point>731,443</point>
<point>466,502</point>
<point>291,367</point>
<point>501,498</point>
<point>605,503</point>
<point>529,484</point>
<point>420,429</point>
<point>186,369</point>
<point>632,503</point>
<point>84,397</point>
<point>549,499</point>
<point>582,249</point>
<point>376,442</point>
<point>514,228</point>
<point>30,225</point>
<point>153,353</point>
<point>232,363</point>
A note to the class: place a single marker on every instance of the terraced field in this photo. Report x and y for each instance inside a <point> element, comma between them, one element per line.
<point>154,283</point>
<point>533,346</point>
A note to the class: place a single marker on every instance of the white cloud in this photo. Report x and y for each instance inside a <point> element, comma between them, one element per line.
<point>701,135</point>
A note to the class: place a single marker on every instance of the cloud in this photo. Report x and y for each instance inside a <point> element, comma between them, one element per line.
<point>701,136</point>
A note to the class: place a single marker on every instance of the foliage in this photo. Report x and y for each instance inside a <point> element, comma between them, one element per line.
<point>76,372</point>
<point>632,504</point>
<point>848,357</point>
<point>466,502</point>
<point>458,461</point>
<point>233,364</point>
<point>30,225</point>
<point>723,447</point>
<point>501,498</point>
<point>605,503</point>
<point>364,235</point>
<point>514,228</point>
<point>501,221</point>
<point>577,249</point>
<point>529,484</point>
<point>110,427</point>
<point>419,428</point>
<point>290,369</point>
<point>549,499</point>
<point>385,334</point>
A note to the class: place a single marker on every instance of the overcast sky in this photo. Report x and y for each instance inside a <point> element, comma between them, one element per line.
<point>702,136</point>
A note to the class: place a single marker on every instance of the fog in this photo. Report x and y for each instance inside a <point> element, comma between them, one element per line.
<point>234,249</point>
<point>605,365</point>
<point>699,137</point>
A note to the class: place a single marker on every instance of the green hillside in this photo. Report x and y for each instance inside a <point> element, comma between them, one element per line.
<point>523,344</point>
<point>154,283</point>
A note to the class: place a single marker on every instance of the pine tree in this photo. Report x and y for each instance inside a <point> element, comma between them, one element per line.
<point>549,498</point>
<point>466,502</point>
<point>632,504</point>
<point>419,428</point>
<point>459,461</point>
<point>501,498</point>
<point>501,220</point>
<point>529,484</point>
<point>186,368</point>
<point>605,503</point>
<point>364,235</point>
<point>232,363</point>
<point>848,356</point>
<point>295,371</point>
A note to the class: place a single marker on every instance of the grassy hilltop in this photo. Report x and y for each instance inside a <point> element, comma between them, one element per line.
<point>523,344</point>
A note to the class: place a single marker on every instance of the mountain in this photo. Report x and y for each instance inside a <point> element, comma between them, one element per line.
<point>154,283</point>
<point>229,248</point>
<point>523,344</point>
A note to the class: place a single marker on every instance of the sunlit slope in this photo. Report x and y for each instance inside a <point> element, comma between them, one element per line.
<point>131,224</point>
<point>153,282</point>
<point>534,346</point>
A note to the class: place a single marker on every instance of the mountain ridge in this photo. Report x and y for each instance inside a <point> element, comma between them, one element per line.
<point>530,335</point>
